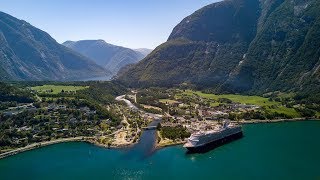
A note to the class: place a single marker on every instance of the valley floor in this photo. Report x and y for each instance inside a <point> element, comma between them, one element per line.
<point>183,112</point>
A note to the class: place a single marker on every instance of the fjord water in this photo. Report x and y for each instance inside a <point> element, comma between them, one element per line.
<point>267,151</point>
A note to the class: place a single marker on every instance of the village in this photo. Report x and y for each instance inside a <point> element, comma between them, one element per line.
<point>197,116</point>
<point>186,109</point>
<point>48,122</point>
<point>181,113</point>
<point>184,114</point>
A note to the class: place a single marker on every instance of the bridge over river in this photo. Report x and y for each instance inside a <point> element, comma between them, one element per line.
<point>149,128</point>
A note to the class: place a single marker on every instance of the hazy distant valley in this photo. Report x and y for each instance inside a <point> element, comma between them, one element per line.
<point>109,56</point>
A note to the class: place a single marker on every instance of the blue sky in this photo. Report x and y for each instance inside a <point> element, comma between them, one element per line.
<point>129,23</point>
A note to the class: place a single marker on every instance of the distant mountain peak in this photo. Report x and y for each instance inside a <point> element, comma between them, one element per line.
<point>110,56</point>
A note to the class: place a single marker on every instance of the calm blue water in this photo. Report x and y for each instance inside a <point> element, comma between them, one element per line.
<point>268,151</point>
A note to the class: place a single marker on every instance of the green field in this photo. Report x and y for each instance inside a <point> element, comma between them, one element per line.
<point>257,100</point>
<point>214,104</point>
<point>54,89</point>
<point>273,106</point>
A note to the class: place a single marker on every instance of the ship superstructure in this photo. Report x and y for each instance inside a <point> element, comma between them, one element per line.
<point>219,135</point>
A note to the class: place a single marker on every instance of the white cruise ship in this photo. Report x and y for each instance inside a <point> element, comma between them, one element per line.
<point>203,141</point>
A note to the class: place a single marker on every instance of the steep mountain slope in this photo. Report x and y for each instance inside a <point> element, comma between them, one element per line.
<point>285,52</point>
<point>27,53</point>
<point>107,55</point>
<point>237,46</point>
<point>198,49</point>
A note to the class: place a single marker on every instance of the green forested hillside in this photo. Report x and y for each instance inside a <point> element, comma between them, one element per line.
<point>285,52</point>
<point>11,95</point>
<point>239,46</point>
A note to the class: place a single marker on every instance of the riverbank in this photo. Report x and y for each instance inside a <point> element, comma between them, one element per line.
<point>162,143</point>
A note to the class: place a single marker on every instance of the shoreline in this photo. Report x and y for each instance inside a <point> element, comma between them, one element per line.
<point>111,146</point>
<point>157,145</point>
<point>175,143</point>
<point>58,141</point>
<point>41,144</point>
<point>161,146</point>
<point>274,120</point>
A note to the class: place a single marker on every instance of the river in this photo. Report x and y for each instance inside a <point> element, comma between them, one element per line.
<point>147,140</point>
<point>288,150</point>
<point>146,145</point>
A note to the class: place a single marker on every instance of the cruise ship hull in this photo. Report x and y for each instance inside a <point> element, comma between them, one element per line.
<point>211,145</point>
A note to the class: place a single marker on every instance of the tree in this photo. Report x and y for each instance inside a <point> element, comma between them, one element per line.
<point>159,126</point>
<point>305,112</point>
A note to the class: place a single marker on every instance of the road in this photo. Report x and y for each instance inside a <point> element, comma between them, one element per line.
<point>122,98</point>
<point>132,106</point>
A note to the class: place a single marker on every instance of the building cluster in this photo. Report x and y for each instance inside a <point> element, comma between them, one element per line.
<point>55,107</point>
<point>19,109</point>
<point>198,116</point>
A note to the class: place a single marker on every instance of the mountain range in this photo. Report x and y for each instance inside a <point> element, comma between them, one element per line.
<point>28,53</point>
<point>238,46</point>
<point>109,56</point>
